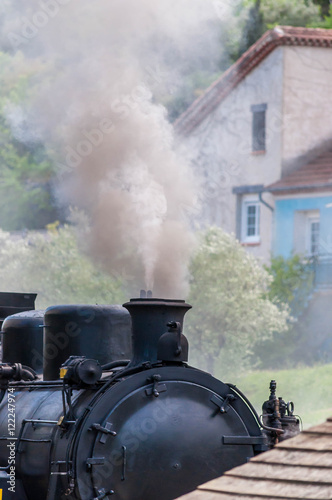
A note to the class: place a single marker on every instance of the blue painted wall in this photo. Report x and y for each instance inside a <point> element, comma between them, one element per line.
<point>284,222</point>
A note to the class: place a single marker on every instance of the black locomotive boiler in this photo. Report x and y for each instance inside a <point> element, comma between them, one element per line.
<point>86,416</point>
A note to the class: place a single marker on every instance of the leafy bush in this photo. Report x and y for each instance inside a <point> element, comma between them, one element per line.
<point>289,12</point>
<point>231,308</point>
<point>261,15</point>
<point>52,265</point>
<point>26,175</point>
<point>327,22</point>
<point>292,282</point>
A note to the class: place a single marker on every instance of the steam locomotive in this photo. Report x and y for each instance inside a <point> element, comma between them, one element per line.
<point>98,402</point>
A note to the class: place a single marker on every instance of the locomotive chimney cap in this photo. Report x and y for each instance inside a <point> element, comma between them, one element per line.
<point>143,294</point>
<point>156,300</point>
<point>149,317</point>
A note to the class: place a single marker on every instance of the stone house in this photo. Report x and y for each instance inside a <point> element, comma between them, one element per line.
<point>259,140</point>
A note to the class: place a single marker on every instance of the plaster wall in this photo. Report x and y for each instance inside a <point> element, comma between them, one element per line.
<point>287,218</point>
<point>220,150</point>
<point>307,101</point>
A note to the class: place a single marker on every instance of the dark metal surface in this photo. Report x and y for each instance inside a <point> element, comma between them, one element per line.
<point>15,371</point>
<point>81,371</point>
<point>97,332</point>
<point>22,339</point>
<point>38,412</point>
<point>172,441</point>
<point>32,462</point>
<point>154,429</point>
<point>278,418</point>
<point>173,345</point>
<point>12,303</point>
<point>149,322</point>
<point>16,493</point>
<point>156,433</point>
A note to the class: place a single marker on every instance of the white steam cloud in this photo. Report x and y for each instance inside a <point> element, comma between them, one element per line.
<point>100,64</point>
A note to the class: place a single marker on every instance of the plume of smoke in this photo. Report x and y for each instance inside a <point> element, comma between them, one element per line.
<point>92,104</point>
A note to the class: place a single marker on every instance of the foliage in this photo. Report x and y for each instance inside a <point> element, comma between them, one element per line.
<point>289,12</point>
<point>324,6</point>
<point>25,186</point>
<point>26,169</point>
<point>292,282</point>
<point>26,172</point>
<point>253,28</point>
<point>231,310</point>
<point>248,21</point>
<point>326,23</point>
<point>193,86</point>
<point>254,17</point>
<point>262,15</point>
<point>52,265</point>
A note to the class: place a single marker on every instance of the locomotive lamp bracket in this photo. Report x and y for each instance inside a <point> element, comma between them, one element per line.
<point>94,461</point>
<point>106,431</point>
<point>102,494</point>
<point>224,404</point>
<point>157,387</point>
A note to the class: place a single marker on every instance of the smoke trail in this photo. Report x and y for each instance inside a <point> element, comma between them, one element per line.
<point>92,104</point>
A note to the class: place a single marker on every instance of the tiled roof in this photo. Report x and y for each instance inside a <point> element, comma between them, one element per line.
<point>297,469</point>
<point>313,177</point>
<point>281,35</point>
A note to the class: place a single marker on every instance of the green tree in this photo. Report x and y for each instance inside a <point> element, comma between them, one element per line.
<point>26,172</point>
<point>52,265</point>
<point>324,6</point>
<point>253,28</point>
<point>231,310</point>
<point>292,282</point>
<point>193,86</point>
<point>289,12</point>
<point>326,23</point>
<point>262,15</point>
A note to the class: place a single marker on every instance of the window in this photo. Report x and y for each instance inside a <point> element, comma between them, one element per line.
<point>313,236</point>
<point>306,232</point>
<point>258,127</point>
<point>250,220</point>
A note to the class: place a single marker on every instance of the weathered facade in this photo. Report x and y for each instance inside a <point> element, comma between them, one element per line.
<point>267,116</point>
<point>303,214</point>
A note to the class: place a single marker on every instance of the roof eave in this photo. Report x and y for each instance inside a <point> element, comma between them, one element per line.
<point>298,188</point>
<point>280,35</point>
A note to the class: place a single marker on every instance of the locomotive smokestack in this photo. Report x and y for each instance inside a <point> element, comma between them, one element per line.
<point>149,322</point>
<point>143,294</point>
